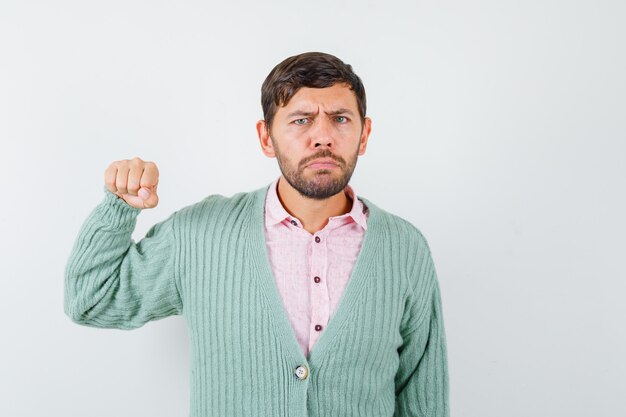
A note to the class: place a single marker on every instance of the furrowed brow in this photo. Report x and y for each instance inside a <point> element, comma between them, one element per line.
<point>301,113</point>
<point>340,111</point>
<point>310,113</point>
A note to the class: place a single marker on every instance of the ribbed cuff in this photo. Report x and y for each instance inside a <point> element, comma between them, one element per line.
<point>115,212</point>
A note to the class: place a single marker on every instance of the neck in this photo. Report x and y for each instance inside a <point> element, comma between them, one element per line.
<point>313,214</point>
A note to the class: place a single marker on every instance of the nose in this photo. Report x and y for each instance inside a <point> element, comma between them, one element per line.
<point>322,133</point>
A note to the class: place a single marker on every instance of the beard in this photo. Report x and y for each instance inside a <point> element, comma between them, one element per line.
<point>319,184</point>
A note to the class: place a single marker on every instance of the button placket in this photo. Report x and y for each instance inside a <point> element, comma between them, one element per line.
<point>319,292</point>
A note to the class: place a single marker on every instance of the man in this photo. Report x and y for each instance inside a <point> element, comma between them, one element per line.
<point>301,298</point>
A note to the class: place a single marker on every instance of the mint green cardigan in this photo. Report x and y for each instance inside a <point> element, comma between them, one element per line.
<point>383,352</point>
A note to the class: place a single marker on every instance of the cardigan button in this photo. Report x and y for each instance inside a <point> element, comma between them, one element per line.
<point>302,372</point>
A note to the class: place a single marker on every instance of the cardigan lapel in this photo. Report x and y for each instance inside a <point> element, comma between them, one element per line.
<point>259,255</point>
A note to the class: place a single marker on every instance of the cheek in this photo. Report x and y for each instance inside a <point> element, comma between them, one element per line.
<point>290,140</point>
<point>348,132</point>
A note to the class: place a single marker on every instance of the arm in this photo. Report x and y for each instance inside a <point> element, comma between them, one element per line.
<point>113,282</point>
<point>422,377</point>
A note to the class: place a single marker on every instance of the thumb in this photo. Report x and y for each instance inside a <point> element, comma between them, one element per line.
<point>149,197</point>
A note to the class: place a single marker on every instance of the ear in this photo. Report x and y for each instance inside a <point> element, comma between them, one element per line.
<point>264,139</point>
<point>365,134</point>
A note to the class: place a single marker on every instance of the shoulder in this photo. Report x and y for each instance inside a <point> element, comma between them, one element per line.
<point>396,227</point>
<point>219,206</point>
<point>407,245</point>
<point>404,244</point>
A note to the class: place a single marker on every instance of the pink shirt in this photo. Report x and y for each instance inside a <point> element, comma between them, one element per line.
<point>312,275</point>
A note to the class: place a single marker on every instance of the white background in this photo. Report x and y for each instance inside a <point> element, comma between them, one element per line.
<point>499,130</point>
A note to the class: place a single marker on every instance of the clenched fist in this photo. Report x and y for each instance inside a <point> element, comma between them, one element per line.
<point>135,181</point>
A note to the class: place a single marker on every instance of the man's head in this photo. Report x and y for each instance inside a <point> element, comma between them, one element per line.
<point>314,107</point>
<point>310,69</point>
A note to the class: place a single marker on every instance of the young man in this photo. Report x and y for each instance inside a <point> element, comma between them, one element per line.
<point>301,298</point>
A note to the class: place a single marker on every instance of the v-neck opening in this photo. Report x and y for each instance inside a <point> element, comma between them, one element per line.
<point>350,295</point>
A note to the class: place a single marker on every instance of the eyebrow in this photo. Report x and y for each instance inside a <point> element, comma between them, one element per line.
<point>330,113</point>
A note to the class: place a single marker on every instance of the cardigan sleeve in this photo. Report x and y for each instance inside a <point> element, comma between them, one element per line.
<point>113,282</point>
<point>422,377</point>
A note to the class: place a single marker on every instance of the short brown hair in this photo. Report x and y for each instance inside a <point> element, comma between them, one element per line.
<point>309,69</point>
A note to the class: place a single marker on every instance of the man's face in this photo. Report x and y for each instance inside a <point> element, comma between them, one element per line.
<point>317,124</point>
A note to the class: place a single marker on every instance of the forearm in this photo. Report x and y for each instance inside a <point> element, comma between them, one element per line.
<point>110,281</point>
<point>422,378</point>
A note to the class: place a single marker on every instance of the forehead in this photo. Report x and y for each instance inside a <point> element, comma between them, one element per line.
<point>337,95</point>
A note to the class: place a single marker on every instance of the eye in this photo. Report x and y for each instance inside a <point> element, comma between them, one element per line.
<point>341,119</point>
<point>300,121</point>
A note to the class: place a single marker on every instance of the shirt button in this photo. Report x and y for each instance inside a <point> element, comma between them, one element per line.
<point>318,327</point>
<point>302,372</point>
<point>294,222</point>
<point>317,239</point>
<point>317,279</point>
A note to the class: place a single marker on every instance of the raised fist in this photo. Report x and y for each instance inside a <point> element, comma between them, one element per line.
<point>134,181</point>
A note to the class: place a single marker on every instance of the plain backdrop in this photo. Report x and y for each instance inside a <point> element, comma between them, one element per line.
<point>499,130</point>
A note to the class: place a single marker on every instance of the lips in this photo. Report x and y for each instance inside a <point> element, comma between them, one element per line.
<point>322,163</point>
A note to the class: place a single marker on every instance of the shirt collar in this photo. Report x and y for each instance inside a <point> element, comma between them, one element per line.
<point>275,211</point>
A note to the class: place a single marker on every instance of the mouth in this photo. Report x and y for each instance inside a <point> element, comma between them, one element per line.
<point>323,164</point>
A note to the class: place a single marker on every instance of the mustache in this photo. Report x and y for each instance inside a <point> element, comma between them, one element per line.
<point>324,154</point>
